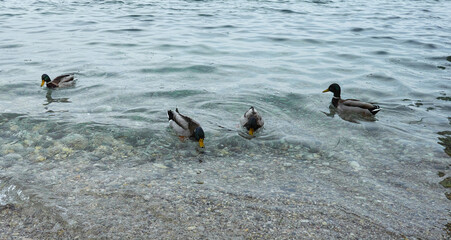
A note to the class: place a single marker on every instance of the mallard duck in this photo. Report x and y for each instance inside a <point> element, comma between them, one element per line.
<point>252,120</point>
<point>60,81</point>
<point>351,105</point>
<point>186,127</point>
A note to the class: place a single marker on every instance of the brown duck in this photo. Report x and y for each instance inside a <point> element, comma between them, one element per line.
<point>186,127</point>
<point>351,105</point>
<point>65,80</point>
<point>252,120</point>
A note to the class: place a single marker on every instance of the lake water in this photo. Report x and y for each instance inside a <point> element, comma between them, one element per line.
<point>98,160</point>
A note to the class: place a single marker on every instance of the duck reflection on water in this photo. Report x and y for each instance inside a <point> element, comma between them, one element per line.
<point>50,99</point>
<point>350,117</point>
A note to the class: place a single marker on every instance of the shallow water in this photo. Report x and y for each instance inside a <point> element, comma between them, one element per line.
<point>98,160</point>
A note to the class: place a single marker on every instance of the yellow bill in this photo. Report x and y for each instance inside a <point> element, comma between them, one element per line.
<point>201,142</point>
<point>251,131</point>
<point>42,84</point>
<point>327,90</point>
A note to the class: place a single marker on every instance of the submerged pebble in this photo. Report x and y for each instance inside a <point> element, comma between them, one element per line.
<point>446,182</point>
<point>287,164</point>
<point>13,157</point>
<point>159,165</point>
<point>75,141</point>
<point>355,165</point>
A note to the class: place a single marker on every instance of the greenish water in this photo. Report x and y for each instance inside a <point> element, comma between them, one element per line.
<point>98,160</point>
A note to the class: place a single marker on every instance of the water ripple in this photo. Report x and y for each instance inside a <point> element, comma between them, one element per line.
<point>11,45</point>
<point>172,94</point>
<point>193,69</point>
<point>213,60</point>
<point>221,26</point>
<point>418,43</point>
<point>124,30</point>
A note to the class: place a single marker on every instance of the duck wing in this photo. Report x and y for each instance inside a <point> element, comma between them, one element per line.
<point>182,124</point>
<point>357,103</point>
<point>354,103</point>
<point>63,79</point>
<point>191,123</point>
<point>260,121</point>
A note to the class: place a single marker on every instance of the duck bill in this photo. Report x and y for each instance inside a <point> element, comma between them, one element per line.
<point>327,90</point>
<point>42,84</point>
<point>201,142</point>
<point>251,131</point>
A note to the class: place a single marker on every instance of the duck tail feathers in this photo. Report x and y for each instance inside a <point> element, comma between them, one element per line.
<point>375,110</point>
<point>170,115</point>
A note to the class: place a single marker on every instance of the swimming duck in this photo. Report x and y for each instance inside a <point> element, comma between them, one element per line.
<point>252,120</point>
<point>60,81</point>
<point>351,105</point>
<point>186,127</point>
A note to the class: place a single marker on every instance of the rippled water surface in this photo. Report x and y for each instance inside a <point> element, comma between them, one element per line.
<point>98,160</point>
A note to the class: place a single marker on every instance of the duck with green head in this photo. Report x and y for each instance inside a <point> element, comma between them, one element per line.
<point>252,121</point>
<point>65,80</point>
<point>186,127</point>
<point>350,105</point>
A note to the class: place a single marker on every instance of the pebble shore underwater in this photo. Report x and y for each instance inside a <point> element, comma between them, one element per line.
<point>98,160</point>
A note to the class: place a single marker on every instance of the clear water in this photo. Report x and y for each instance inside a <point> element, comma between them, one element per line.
<point>98,160</point>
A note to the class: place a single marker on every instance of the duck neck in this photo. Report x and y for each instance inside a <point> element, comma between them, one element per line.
<point>335,101</point>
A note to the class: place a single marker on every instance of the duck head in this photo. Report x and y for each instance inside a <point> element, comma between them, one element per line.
<point>199,136</point>
<point>45,79</point>
<point>335,88</point>
<point>251,125</point>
